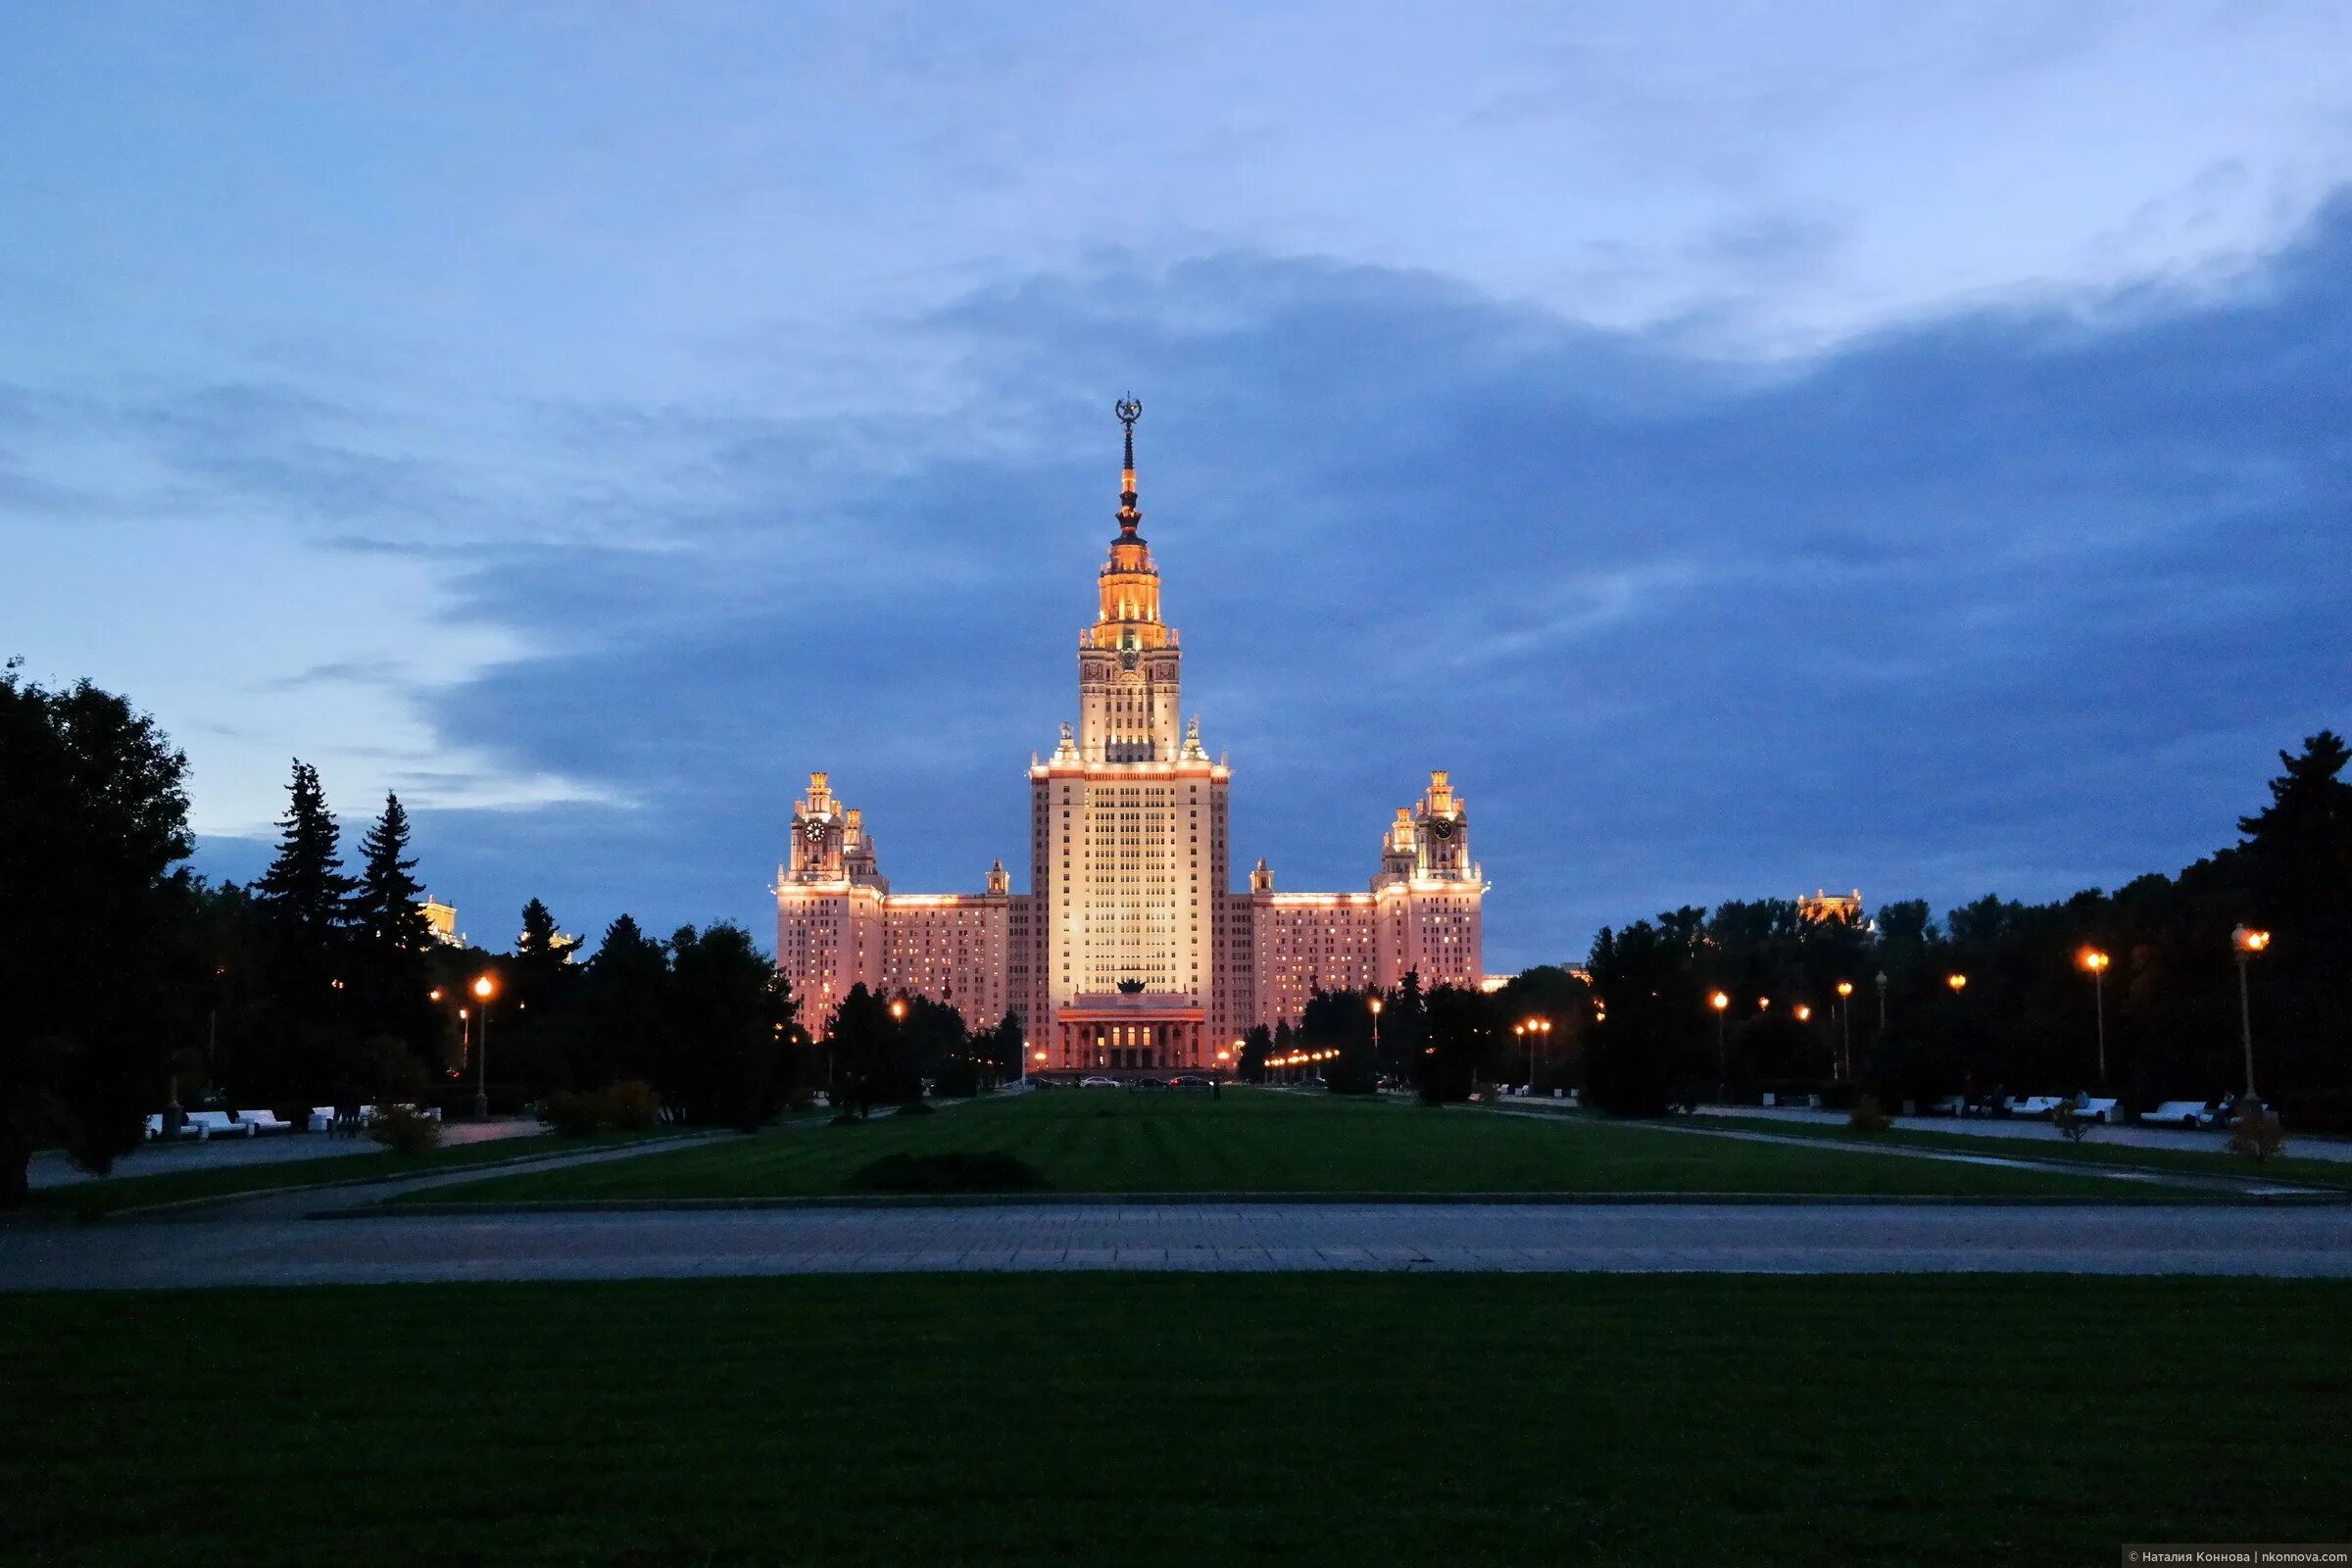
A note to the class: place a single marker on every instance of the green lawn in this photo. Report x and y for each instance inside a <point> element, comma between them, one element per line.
<point>1176,1419</point>
<point>110,1194</point>
<point>1264,1141</point>
<point>2200,1153</point>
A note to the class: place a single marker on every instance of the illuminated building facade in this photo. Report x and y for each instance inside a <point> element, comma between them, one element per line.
<point>1130,953</point>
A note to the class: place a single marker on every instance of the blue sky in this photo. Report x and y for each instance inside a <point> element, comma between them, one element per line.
<point>1755,447</point>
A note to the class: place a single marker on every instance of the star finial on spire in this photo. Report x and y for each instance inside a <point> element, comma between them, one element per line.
<point>1129,409</point>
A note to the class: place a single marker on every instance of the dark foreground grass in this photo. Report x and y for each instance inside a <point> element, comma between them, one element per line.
<point>1082,1140</point>
<point>111,1195</point>
<point>1176,1419</point>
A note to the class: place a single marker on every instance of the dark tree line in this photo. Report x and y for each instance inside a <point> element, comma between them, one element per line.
<point>2027,1017</point>
<point>132,985</point>
<point>1443,1042</point>
<point>881,1049</point>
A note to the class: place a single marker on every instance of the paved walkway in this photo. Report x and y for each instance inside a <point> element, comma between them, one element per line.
<point>1521,1238</point>
<point>2303,1145</point>
<point>2247,1186</point>
<point>51,1168</point>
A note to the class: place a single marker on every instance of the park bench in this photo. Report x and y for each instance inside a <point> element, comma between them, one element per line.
<point>210,1124</point>
<point>265,1121</point>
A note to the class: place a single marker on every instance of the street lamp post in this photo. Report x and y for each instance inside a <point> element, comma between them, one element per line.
<point>484,988</point>
<point>2094,964</point>
<point>1846,1028</point>
<point>1881,1002</point>
<point>1721,1001</point>
<point>2248,941</point>
<point>1375,1005</point>
<point>898,1018</point>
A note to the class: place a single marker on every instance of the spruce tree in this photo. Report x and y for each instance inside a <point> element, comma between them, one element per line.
<point>390,936</point>
<point>304,898</point>
<point>387,909</point>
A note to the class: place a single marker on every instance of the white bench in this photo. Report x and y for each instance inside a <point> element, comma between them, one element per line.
<point>210,1124</point>
<point>265,1121</point>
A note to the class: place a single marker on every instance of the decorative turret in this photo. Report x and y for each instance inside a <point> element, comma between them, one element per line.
<point>1262,878</point>
<point>999,882</point>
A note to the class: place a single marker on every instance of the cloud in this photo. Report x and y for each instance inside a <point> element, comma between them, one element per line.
<point>2017,599</point>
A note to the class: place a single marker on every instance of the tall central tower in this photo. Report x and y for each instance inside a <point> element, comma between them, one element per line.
<point>1127,839</point>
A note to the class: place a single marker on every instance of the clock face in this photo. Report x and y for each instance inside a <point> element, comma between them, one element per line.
<point>1442,826</point>
<point>815,829</point>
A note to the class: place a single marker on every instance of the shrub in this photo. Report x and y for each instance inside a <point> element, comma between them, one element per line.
<point>915,1107</point>
<point>572,1115</point>
<point>632,1106</point>
<point>1868,1116</point>
<point>2255,1133</point>
<point>948,1172</point>
<point>957,1078</point>
<point>404,1130</point>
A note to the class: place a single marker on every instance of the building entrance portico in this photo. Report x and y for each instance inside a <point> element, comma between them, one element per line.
<point>1130,1032</point>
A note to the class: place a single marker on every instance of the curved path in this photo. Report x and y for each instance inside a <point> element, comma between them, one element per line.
<point>260,1249</point>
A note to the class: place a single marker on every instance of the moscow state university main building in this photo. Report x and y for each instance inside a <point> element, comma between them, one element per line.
<point>1130,953</point>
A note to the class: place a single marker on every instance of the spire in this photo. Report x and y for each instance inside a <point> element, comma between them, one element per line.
<point>1129,410</point>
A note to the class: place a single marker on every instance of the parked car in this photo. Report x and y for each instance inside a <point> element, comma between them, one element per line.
<point>1150,1083</point>
<point>1097,1083</point>
<point>1191,1081</point>
<point>2189,1113</point>
<point>2037,1106</point>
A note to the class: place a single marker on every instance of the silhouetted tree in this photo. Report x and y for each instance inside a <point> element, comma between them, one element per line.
<point>733,1008</point>
<point>862,1038</point>
<point>390,940</point>
<point>624,1023</point>
<point>304,900</point>
<point>97,968</point>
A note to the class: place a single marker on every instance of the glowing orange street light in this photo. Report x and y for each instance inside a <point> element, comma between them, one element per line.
<point>2248,941</point>
<point>484,986</point>
<point>1958,983</point>
<point>1763,1004</point>
<point>433,994</point>
<point>1804,1015</point>
<point>1846,1028</point>
<point>897,1008</point>
<point>1721,1001</point>
<point>2093,962</point>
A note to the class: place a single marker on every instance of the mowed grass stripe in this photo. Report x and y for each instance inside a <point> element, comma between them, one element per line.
<point>1266,1141</point>
<point>1177,1419</point>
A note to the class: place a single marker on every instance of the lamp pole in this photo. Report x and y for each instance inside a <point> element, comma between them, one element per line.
<point>1720,1002</point>
<point>2094,964</point>
<point>1375,1005</point>
<point>2247,943</point>
<point>1881,1002</point>
<point>1846,1028</point>
<point>484,988</point>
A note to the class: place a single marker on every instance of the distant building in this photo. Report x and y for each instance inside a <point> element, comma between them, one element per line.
<point>1846,906</point>
<point>443,918</point>
<point>1130,952</point>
